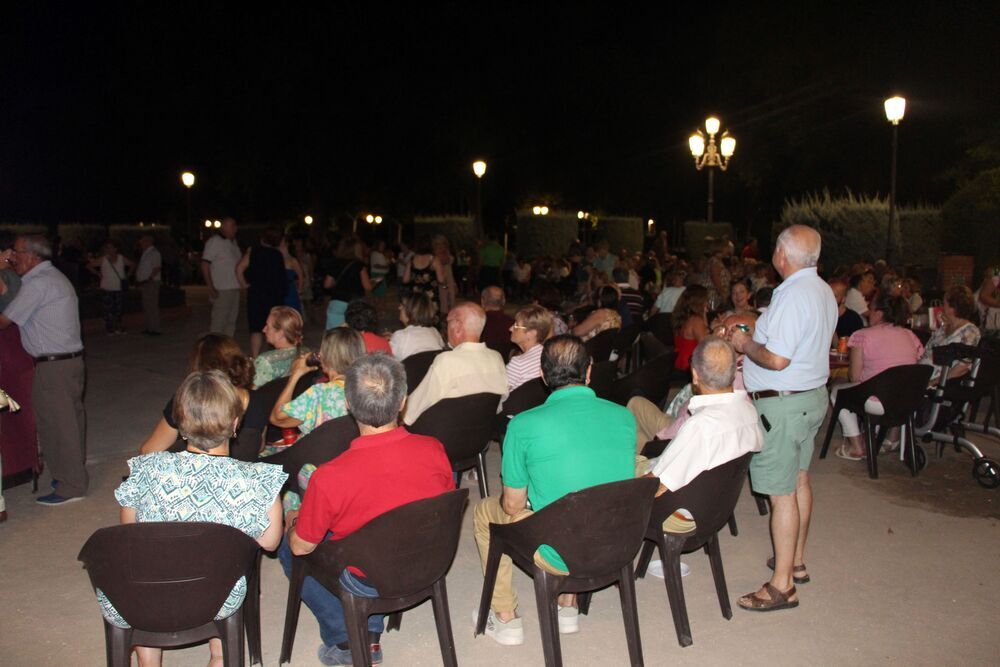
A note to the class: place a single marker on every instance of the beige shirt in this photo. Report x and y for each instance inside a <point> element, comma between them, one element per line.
<point>471,368</point>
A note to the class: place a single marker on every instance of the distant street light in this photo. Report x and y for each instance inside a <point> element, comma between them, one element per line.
<point>187,178</point>
<point>479,169</point>
<point>217,224</point>
<point>308,219</point>
<point>369,218</point>
<point>710,156</point>
<point>895,108</point>
<point>540,210</point>
<point>208,224</point>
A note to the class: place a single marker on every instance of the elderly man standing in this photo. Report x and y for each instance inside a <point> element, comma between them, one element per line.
<point>468,368</point>
<point>147,275</point>
<point>218,267</point>
<point>48,313</point>
<point>572,441</point>
<point>786,368</point>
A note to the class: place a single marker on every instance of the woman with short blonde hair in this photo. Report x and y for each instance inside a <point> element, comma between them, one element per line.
<point>418,314</point>
<point>532,327</point>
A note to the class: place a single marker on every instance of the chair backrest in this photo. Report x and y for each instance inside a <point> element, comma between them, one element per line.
<point>595,530</point>
<point>651,381</point>
<point>502,347</point>
<point>600,346</point>
<point>529,395</point>
<point>710,497</point>
<point>661,326</point>
<point>168,576</point>
<point>463,425</point>
<point>416,366</point>
<point>265,396</point>
<point>325,443</point>
<point>899,389</point>
<point>602,378</point>
<point>622,341</point>
<point>402,551</point>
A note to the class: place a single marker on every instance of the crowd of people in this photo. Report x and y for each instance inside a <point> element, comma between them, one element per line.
<point>752,338</point>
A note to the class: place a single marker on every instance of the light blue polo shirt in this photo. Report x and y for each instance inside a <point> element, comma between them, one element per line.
<point>798,326</point>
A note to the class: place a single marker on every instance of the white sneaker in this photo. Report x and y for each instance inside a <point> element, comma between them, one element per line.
<point>510,633</point>
<point>569,620</point>
<point>655,569</point>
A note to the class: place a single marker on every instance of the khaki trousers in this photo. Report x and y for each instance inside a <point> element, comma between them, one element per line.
<point>57,395</point>
<point>151,304</point>
<point>649,420</point>
<point>489,511</point>
<point>225,310</point>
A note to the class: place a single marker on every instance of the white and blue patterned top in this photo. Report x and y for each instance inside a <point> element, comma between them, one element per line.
<point>185,486</point>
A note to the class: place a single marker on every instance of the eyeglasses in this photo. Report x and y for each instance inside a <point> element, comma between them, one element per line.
<point>518,326</point>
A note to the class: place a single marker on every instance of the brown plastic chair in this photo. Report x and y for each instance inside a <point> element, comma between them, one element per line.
<point>529,395</point>
<point>601,346</point>
<point>266,395</point>
<point>651,381</point>
<point>623,343</point>
<point>169,580</point>
<point>602,378</point>
<point>405,555</point>
<point>325,443</point>
<point>597,532</point>
<point>710,498</point>
<point>464,425</point>
<point>416,366</point>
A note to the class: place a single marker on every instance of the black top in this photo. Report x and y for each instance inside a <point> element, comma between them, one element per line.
<point>848,323</point>
<point>346,274</point>
<point>266,273</point>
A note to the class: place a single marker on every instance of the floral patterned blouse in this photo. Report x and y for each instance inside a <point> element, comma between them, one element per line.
<point>274,364</point>
<point>318,404</point>
<point>967,334</point>
<point>185,486</point>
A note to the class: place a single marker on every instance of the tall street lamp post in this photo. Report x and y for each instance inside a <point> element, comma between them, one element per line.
<point>187,178</point>
<point>479,169</point>
<point>895,108</point>
<point>711,156</point>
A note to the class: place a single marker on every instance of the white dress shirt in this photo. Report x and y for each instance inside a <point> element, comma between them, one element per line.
<point>149,264</point>
<point>722,427</point>
<point>471,368</point>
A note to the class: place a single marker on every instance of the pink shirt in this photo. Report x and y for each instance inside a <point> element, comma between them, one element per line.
<point>884,346</point>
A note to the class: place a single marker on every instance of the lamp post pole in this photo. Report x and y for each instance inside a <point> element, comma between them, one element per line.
<point>895,108</point>
<point>711,194</point>
<point>479,169</point>
<point>711,156</point>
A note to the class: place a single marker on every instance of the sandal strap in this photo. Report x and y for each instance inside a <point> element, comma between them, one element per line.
<point>777,597</point>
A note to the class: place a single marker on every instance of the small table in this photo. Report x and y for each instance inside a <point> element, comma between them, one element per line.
<point>838,360</point>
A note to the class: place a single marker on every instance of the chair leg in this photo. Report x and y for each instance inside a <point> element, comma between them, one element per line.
<point>626,591</point>
<point>719,575</point>
<point>829,430</point>
<point>118,645</point>
<point>670,553</point>
<point>395,620</point>
<point>292,609</point>
<point>442,619</point>
<point>548,620</point>
<point>870,447</point>
<point>761,501</point>
<point>251,613</point>
<point>231,633</point>
<point>734,530</point>
<point>645,555</point>
<point>484,486</point>
<point>489,581</point>
<point>583,602</point>
<point>357,629</point>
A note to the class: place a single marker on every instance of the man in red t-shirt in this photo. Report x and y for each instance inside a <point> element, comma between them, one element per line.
<point>383,469</point>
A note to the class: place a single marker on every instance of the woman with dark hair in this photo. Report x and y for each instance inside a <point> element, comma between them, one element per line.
<point>883,344</point>
<point>424,272</point>
<point>690,319</point>
<point>604,317</point>
<point>212,352</point>
<point>955,327</point>
<point>161,486</point>
<point>113,269</point>
<point>363,318</point>
<point>262,270</point>
<point>419,334</point>
<point>346,278</point>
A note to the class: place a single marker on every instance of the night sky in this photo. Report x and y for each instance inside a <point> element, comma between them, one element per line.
<point>337,110</point>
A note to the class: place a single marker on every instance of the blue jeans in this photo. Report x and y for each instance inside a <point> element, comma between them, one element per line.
<point>326,606</point>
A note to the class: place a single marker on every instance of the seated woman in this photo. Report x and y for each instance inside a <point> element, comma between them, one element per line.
<point>363,318</point>
<point>690,324</point>
<point>883,344</point>
<point>283,332</point>
<point>605,317</point>
<point>207,409</point>
<point>212,352</point>
<point>418,315</point>
<point>532,326</point>
<point>325,401</point>
<point>955,327</point>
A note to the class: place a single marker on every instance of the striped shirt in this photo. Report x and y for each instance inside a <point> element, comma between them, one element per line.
<point>525,366</point>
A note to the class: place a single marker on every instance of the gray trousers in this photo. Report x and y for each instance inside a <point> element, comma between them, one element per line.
<point>151,304</point>
<point>225,310</point>
<point>57,394</point>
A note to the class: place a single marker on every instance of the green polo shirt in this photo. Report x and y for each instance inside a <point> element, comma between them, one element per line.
<point>491,254</point>
<point>572,441</point>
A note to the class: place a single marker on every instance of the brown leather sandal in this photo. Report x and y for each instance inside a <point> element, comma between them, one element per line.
<point>778,600</point>
<point>795,568</point>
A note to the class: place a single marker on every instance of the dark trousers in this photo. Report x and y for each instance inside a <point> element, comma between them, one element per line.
<point>57,397</point>
<point>113,302</point>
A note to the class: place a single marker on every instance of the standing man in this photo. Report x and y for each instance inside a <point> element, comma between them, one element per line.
<point>490,260</point>
<point>147,274</point>
<point>218,266</point>
<point>786,368</point>
<point>48,314</point>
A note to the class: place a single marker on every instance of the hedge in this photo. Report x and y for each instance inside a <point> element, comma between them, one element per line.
<point>972,220</point>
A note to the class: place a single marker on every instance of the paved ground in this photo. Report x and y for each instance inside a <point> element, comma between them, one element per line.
<point>904,570</point>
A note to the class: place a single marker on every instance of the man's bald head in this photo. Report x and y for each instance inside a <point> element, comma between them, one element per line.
<point>465,323</point>
<point>492,298</point>
<point>713,365</point>
<point>800,245</point>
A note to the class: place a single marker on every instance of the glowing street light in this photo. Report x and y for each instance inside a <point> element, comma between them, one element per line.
<point>208,224</point>
<point>308,219</point>
<point>217,224</point>
<point>895,108</point>
<point>710,155</point>
<point>369,218</point>
<point>479,169</point>
<point>187,178</point>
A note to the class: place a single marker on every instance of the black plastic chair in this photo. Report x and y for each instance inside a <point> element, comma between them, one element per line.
<point>601,346</point>
<point>266,395</point>
<point>651,381</point>
<point>710,498</point>
<point>650,347</point>
<point>416,366</point>
<point>597,532</point>
<point>602,378</point>
<point>169,580</point>
<point>529,395</point>
<point>405,555</point>
<point>900,390</point>
<point>502,347</point>
<point>464,426</point>
<point>622,345</point>
<point>661,326</point>
<point>325,443</point>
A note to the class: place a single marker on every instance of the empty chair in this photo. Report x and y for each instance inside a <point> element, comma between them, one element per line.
<point>324,443</point>
<point>710,498</point>
<point>900,389</point>
<point>169,580</point>
<point>404,554</point>
<point>416,366</point>
<point>600,346</point>
<point>597,532</point>
<point>464,426</point>
<point>651,381</point>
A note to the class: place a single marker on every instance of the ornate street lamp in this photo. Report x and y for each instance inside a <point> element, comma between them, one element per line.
<point>711,156</point>
<point>895,108</point>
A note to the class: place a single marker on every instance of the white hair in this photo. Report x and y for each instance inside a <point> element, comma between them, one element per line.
<point>38,245</point>
<point>801,245</point>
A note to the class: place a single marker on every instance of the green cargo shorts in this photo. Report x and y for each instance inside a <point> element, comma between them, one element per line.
<point>789,443</point>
